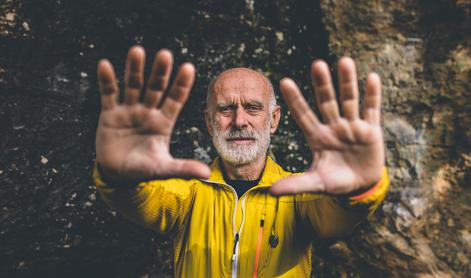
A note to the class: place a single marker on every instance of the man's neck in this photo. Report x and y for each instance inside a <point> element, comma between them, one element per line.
<point>249,171</point>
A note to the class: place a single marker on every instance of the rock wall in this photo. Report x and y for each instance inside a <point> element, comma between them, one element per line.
<point>422,51</point>
<point>53,223</point>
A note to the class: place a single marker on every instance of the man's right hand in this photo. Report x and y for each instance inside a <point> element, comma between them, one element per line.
<point>133,136</point>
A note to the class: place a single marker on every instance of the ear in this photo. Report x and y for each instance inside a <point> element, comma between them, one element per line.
<point>275,119</point>
<point>207,120</point>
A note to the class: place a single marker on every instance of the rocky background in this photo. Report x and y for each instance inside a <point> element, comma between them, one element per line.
<point>52,221</point>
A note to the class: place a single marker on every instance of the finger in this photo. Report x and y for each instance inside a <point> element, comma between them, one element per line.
<point>298,106</point>
<point>159,77</point>
<point>134,75</point>
<point>178,94</point>
<point>107,85</point>
<point>187,168</point>
<point>303,183</point>
<point>372,108</point>
<point>324,91</point>
<point>348,88</point>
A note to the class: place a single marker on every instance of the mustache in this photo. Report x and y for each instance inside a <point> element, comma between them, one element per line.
<point>240,133</point>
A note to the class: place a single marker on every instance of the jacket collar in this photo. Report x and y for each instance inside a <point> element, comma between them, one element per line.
<point>271,173</point>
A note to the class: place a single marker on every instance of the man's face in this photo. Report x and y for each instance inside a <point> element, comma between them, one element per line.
<point>238,116</point>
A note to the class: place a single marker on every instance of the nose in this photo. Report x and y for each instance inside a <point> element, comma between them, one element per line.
<point>240,118</point>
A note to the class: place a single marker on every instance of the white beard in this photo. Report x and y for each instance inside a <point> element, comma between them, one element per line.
<point>241,153</point>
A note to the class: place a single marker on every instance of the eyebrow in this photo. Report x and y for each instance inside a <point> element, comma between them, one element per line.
<point>223,105</point>
<point>252,102</point>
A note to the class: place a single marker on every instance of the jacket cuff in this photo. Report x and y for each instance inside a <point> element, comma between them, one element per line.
<point>375,194</point>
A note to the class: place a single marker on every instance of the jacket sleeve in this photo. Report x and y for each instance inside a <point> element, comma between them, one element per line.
<point>161,205</point>
<point>333,217</point>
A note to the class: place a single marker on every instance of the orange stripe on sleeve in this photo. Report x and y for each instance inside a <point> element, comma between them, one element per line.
<point>368,193</point>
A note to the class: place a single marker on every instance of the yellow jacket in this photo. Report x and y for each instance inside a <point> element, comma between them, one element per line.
<point>216,234</point>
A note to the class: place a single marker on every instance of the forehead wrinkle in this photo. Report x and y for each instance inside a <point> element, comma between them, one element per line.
<point>238,99</point>
<point>243,80</point>
<point>242,77</point>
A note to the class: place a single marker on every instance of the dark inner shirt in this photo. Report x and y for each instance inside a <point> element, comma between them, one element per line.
<point>240,186</point>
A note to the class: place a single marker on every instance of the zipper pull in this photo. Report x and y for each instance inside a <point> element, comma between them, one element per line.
<point>236,242</point>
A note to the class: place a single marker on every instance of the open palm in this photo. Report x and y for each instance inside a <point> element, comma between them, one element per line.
<point>348,151</point>
<point>133,136</point>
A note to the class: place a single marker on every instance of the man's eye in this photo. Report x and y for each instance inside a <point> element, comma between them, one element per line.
<point>253,108</point>
<point>224,109</point>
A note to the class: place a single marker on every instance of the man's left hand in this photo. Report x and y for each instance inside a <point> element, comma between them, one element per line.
<point>348,150</point>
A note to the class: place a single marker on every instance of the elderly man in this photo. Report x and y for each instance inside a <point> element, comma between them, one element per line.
<point>243,215</point>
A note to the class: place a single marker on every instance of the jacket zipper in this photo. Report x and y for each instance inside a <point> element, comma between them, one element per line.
<point>236,235</point>
<point>235,254</point>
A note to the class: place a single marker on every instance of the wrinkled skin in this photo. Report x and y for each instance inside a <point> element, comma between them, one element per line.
<point>133,137</point>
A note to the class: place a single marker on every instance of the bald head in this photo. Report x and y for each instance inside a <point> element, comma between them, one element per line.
<point>240,81</point>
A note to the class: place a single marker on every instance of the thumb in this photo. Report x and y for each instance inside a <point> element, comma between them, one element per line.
<point>189,168</point>
<point>302,183</point>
